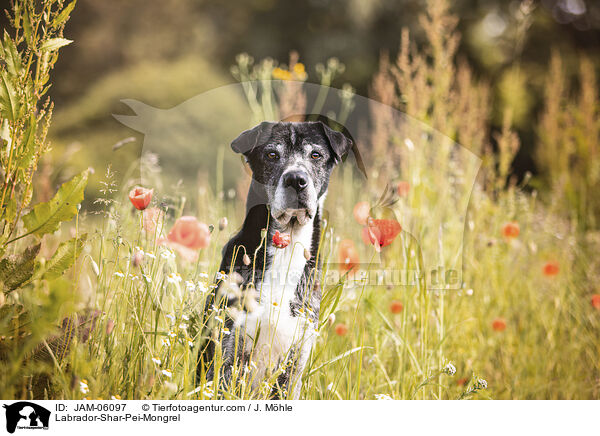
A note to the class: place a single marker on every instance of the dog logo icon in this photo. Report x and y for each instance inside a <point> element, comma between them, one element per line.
<point>26,415</point>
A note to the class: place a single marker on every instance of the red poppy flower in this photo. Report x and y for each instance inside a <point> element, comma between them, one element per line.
<point>140,197</point>
<point>596,301</point>
<point>281,240</point>
<point>361,212</point>
<point>510,230</point>
<point>403,188</point>
<point>348,255</point>
<point>550,268</point>
<point>499,324</point>
<point>396,307</point>
<point>190,233</point>
<point>341,329</point>
<point>381,233</point>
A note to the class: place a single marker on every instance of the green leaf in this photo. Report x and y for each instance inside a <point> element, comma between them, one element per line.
<point>16,270</point>
<point>46,217</point>
<point>9,105</point>
<point>27,30</point>
<point>64,256</point>
<point>28,144</point>
<point>11,55</point>
<point>54,44</point>
<point>64,15</point>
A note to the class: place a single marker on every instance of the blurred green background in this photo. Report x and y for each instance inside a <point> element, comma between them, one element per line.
<point>163,53</point>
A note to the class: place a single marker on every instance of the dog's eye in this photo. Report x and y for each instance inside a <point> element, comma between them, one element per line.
<point>272,155</point>
<point>315,155</point>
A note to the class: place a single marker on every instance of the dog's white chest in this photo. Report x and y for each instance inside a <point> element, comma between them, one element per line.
<point>278,331</point>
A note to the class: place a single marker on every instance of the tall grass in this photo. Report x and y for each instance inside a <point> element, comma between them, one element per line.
<point>510,329</point>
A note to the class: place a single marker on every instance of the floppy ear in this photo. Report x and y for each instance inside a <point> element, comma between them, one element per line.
<point>249,139</point>
<point>339,143</point>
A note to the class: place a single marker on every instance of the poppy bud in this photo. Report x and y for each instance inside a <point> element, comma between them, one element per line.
<point>222,223</point>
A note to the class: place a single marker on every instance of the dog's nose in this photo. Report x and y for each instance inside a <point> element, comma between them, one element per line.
<point>296,179</point>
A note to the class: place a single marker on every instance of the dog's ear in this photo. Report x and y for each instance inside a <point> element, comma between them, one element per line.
<point>339,143</point>
<point>249,139</point>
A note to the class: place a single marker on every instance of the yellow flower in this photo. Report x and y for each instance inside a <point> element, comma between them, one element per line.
<point>281,74</point>
<point>299,69</point>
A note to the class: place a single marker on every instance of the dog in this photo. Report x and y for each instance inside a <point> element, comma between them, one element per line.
<point>291,163</point>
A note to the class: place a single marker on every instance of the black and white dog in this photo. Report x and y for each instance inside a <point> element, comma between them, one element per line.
<point>291,163</point>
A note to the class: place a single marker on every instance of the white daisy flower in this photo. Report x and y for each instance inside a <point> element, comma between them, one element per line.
<point>147,278</point>
<point>167,373</point>
<point>150,254</point>
<point>119,274</point>
<point>171,317</point>
<point>83,387</point>
<point>221,276</point>
<point>167,254</point>
<point>190,286</point>
<point>174,278</point>
<point>183,326</point>
<point>166,342</point>
<point>202,287</point>
<point>156,360</point>
<point>172,334</point>
<point>383,397</point>
<point>203,275</point>
<point>185,317</point>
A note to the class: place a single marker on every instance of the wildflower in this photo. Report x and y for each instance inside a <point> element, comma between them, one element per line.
<point>191,344</point>
<point>187,236</point>
<point>499,324</point>
<point>185,317</point>
<point>203,275</point>
<point>341,329</point>
<point>147,279</point>
<point>330,386</point>
<point>246,259</point>
<point>481,384</point>
<point>172,334</point>
<point>183,326</point>
<point>167,254</point>
<point>510,230</point>
<point>149,254</point>
<point>550,268</point>
<point>449,369</point>
<point>221,320</point>
<point>361,212</point>
<point>381,233</point>
<point>171,317</point>
<point>173,278</point>
<point>223,224</point>
<point>140,197</point>
<point>190,286</point>
<point>115,397</point>
<point>226,331</point>
<point>150,219</point>
<point>596,301</point>
<point>348,255</point>
<point>167,373</point>
<point>221,276</point>
<point>281,240</point>
<point>119,274</point>
<point>383,397</point>
<point>469,292</point>
<point>156,360</point>
<point>83,386</point>
<point>281,74</point>
<point>403,188</point>
<point>202,287</point>
<point>166,342</point>
<point>396,307</point>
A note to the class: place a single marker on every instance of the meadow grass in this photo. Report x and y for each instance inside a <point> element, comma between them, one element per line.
<point>512,328</point>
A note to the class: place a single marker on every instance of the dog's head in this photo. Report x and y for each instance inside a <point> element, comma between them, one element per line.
<point>292,162</point>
